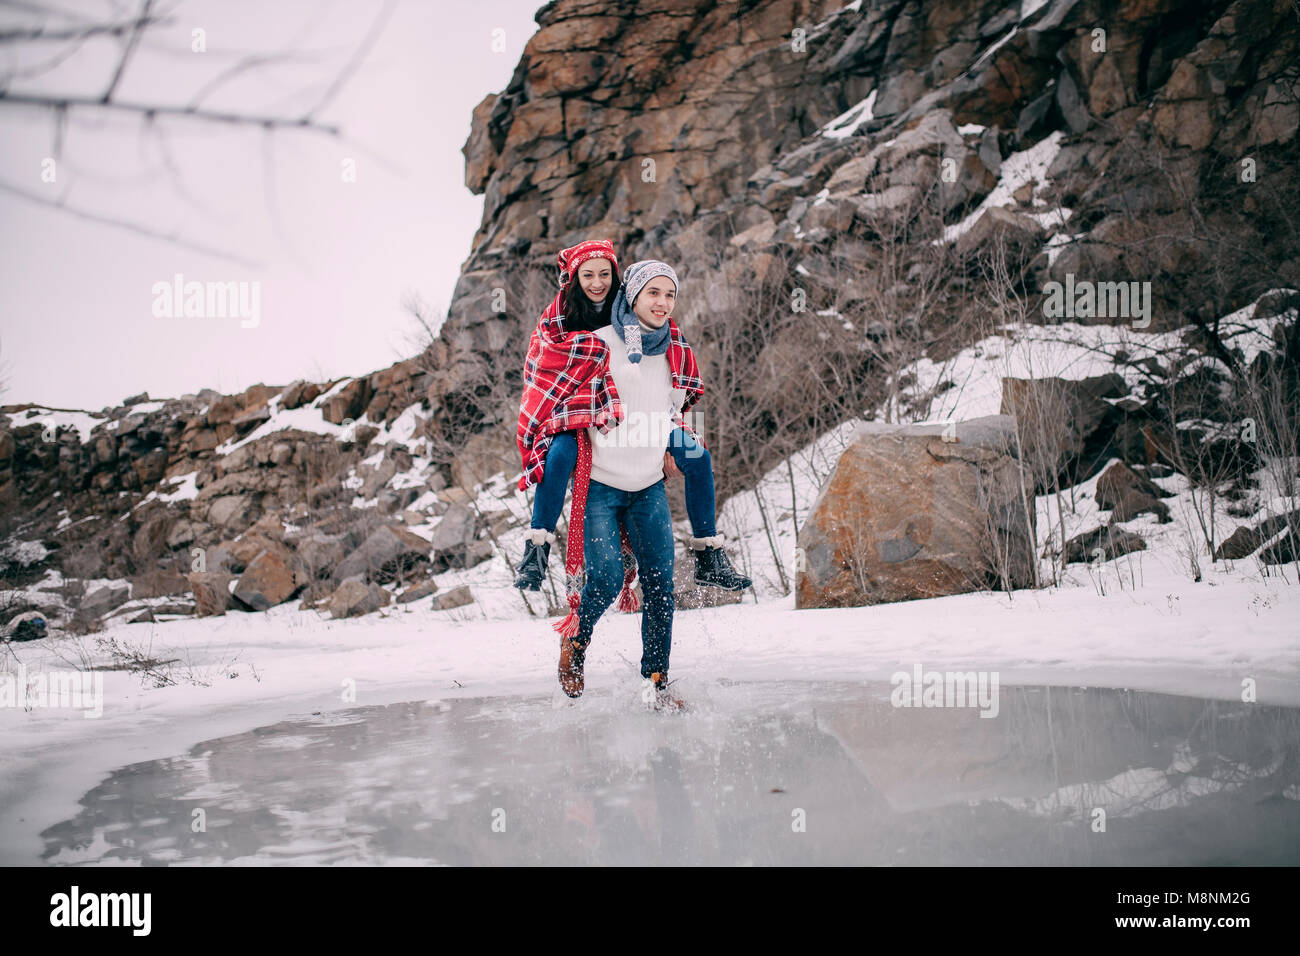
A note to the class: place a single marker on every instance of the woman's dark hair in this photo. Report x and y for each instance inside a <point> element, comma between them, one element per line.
<point>583,315</point>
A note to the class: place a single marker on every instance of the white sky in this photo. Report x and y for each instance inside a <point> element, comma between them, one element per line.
<point>334,260</point>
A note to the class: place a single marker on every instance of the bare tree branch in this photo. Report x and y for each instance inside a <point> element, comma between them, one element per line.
<point>150,110</point>
<point>358,55</point>
<point>129,49</point>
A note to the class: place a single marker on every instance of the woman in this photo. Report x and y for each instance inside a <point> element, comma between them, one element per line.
<point>547,434</point>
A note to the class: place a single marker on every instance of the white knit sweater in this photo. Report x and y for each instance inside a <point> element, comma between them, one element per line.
<point>631,456</point>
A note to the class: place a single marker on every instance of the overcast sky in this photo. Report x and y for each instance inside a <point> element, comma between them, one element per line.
<point>333,259</point>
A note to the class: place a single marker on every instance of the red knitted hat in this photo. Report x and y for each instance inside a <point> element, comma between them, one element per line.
<point>569,259</point>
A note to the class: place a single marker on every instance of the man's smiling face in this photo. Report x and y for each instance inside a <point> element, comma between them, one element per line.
<point>654,304</point>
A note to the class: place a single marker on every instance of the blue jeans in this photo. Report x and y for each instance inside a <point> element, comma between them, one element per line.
<point>649,526</point>
<point>691,457</point>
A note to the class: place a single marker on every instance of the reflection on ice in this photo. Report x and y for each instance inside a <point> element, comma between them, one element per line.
<point>759,773</point>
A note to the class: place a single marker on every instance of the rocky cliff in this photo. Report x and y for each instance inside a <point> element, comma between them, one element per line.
<point>1154,141</point>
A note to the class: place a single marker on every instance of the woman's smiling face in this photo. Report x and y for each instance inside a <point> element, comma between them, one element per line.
<point>654,304</point>
<point>595,277</point>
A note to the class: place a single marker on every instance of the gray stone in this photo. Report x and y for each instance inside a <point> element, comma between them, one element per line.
<point>456,597</point>
<point>354,597</point>
<point>1109,540</point>
<point>104,599</point>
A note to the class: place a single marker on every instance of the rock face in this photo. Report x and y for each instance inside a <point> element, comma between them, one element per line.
<point>907,514</point>
<point>662,125</point>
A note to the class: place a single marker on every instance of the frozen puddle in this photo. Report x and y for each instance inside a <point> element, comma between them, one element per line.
<point>760,773</point>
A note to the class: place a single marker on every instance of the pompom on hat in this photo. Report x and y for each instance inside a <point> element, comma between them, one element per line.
<point>570,259</point>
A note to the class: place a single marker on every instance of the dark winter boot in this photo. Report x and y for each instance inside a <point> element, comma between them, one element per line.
<point>712,567</point>
<point>537,551</point>
<point>573,657</point>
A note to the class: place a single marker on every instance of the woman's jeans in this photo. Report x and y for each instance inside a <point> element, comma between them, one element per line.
<point>645,513</point>
<point>691,457</point>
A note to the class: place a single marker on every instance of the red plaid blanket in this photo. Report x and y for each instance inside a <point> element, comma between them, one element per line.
<point>566,387</point>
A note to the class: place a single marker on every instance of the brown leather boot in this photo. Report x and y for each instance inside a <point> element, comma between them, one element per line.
<point>572,658</point>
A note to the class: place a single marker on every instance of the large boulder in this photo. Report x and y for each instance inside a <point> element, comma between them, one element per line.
<point>911,513</point>
<point>321,552</point>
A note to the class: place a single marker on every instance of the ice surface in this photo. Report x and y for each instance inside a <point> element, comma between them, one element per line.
<point>759,773</point>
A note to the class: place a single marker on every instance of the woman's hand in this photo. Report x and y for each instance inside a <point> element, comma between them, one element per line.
<point>671,470</point>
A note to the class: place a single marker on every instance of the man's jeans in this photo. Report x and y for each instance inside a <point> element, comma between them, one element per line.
<point>691,457</point>
<point>649,525</point>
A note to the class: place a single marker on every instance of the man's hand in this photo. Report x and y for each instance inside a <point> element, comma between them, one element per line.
<point>671,470</point>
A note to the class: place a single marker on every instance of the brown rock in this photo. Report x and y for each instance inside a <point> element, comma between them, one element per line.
<point>349,403</point>
<point>417,591</point>
<point>159,583</point>
<point>456,597</point>
<point>1118,480</point>
<point>1111,541</point>
<point>1057,420</point>
<point>908,515</point>
<point>1246,540</point>
<point>1136,503</point>
<point>298,394</point>
<point>267,581</point>
<point>211,592</point>
<point>354,597</point>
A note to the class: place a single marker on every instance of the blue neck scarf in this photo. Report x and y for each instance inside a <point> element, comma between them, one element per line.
<point>638,339</point>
